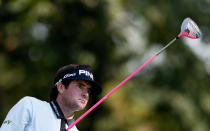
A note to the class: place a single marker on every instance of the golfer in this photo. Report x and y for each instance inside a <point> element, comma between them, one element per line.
<point>73,85</point>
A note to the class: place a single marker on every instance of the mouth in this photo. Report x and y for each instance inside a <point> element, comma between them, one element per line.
<point>82,101</point>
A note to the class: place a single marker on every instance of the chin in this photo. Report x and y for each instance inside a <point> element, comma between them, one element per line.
<point>81,107</point>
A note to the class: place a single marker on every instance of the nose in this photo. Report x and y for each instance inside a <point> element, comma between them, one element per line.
<point>85,94</point>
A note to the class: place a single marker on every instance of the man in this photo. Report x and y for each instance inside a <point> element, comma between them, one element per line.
<point>73,84</point>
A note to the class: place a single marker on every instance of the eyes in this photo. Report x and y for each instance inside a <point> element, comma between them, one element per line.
<point>83,87</point>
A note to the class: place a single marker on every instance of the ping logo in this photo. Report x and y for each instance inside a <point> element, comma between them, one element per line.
<point>87,73</point>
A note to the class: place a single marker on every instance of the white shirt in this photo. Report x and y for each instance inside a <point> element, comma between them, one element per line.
<point>31,114</point>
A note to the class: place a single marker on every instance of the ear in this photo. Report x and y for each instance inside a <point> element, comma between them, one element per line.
<point>60,87</point>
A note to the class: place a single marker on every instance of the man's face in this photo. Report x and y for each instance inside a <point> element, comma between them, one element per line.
<point>76,95</point>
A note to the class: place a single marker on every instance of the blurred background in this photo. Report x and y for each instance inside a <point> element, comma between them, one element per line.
<point>115,37</point>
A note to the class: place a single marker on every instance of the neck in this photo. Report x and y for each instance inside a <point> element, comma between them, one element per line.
<point>67,111</point>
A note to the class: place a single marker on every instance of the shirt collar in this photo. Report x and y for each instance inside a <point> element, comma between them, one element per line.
<point>56,108</point>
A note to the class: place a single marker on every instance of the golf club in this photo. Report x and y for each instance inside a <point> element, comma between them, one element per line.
<point>188,29</point>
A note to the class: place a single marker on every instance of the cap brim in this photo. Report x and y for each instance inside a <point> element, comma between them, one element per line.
<point>95,89</point>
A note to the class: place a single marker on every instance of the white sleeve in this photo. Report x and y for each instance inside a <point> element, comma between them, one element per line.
<point>19,116</point>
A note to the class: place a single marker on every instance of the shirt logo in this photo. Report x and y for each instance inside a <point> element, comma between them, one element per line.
<point>7,122</point>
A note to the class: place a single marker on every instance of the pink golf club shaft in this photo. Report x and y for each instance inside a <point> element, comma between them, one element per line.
<point>119,85</point>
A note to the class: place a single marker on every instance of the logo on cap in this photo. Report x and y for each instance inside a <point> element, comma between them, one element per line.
<point>87,73</point>
<point>69,75</point>
<point>77,74</point>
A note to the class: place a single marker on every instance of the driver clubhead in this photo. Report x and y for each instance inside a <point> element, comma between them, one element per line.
<point>189,29</point>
